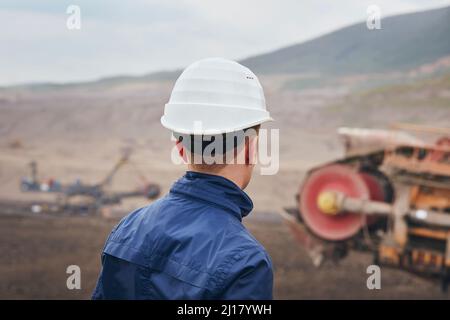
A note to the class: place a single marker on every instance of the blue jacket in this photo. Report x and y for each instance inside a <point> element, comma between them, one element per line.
<point>190,244</point>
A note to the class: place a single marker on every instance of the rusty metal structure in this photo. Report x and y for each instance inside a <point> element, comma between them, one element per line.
<point>390,194</point>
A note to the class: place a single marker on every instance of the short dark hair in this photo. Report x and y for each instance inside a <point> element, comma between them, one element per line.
<point>197,144</point>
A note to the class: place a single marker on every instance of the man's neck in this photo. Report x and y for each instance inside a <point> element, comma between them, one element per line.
<point>233,173</point>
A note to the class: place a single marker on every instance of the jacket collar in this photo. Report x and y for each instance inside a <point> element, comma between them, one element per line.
<point>216,190</point>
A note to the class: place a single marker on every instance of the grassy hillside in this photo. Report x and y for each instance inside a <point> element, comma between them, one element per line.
<point>404,42</point>
<point>425,102</point>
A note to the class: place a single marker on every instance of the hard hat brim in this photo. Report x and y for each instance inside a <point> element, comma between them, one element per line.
<point>213,119</point>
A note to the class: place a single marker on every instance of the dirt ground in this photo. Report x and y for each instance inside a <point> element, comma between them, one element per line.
<point>78,132</point>
<point>35,252</point>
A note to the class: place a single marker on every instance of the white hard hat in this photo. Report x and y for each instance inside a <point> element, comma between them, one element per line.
<point>214,96</point>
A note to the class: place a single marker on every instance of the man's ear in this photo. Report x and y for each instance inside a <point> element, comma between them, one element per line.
<point>181,151</point>
<point>247,151</point>
<point>250,149</point>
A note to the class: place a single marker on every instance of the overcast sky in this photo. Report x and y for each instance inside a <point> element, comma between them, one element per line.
<point>140,36</point>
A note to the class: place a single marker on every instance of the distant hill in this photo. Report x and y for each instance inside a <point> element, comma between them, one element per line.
<point>404,42</point>
<point>107,81</point>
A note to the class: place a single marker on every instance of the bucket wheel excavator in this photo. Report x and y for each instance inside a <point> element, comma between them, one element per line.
<point>389,195</point>
<point>82,197</point>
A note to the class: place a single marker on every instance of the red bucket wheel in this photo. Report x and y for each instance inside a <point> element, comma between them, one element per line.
<point>338,178</point>
<point>375,186</point>
<point>376,191</point>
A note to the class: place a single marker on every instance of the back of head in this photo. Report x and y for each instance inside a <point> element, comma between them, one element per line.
<point>215,101</point>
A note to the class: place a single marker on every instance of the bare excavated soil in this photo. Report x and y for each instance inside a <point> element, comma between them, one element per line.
<point>77,132</point>
<point>36,250</point>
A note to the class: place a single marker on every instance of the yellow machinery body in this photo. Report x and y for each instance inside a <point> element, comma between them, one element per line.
<point>390,195</point>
